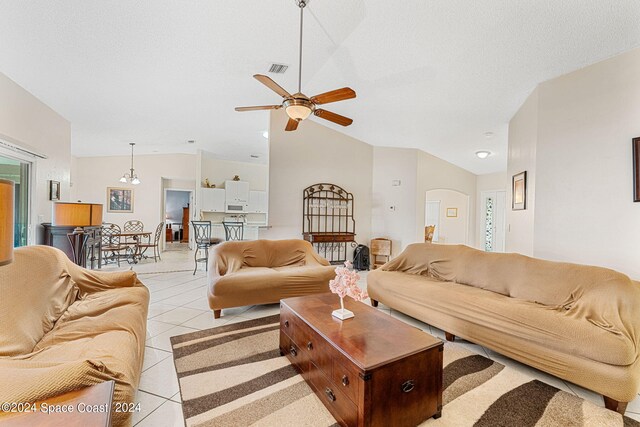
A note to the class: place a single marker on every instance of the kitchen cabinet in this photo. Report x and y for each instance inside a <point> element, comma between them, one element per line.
<point>257,202</point>
<point>213,199</point>
<point>236,196</point>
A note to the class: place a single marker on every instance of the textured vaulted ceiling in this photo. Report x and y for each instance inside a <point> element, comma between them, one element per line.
<point>435,75</point>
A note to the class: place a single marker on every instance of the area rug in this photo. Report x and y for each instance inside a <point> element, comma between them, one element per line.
<point>234,376</point>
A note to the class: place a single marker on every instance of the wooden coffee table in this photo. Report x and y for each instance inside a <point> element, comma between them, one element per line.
<point>371,370</point>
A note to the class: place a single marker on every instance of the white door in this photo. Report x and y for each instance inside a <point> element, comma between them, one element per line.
<point>492,212</point>
<point>432,217</point>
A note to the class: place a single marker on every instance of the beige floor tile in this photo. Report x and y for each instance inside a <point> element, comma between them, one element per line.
<point>162,341</point>
<point>262,311</point>
<point>200,303</point>
<point>159,308</point>
<point>155,327</point>
<point>169,414</point>
<point>410,320</point>
<point>178,315</point>
<point>177,398</point>
<point>634,405</point>
<point>589,395</point>
<point>152,356</point>
<point>206,321</point>
<point>148,404</point>
<point>633,416</point>
<point>160,379</point>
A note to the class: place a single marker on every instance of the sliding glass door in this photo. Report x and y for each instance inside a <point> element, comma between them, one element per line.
<point>18,171</point>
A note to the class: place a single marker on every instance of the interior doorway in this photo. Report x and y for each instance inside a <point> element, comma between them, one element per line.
<point>492,220</point>
<point>177,207</point>
<point>19,171</point>
<point>448,210</point>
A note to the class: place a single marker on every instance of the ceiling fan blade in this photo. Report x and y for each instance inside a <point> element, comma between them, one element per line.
<point>291,125</point>
<point>334,96</point>
<point>272,85</point>
<point>259,107</point>
<point>333,117</point>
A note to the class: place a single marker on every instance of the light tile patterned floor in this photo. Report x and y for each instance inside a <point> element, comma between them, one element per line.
<point>179,305</point>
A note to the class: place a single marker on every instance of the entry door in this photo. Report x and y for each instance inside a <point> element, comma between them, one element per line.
<point>492,212</point>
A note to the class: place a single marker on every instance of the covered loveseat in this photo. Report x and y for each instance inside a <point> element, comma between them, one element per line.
<point>265,271</point>
<point>576,322</point>
<point>63,328</point>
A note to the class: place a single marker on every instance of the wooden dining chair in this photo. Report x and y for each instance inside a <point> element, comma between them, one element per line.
<point>155,244</point>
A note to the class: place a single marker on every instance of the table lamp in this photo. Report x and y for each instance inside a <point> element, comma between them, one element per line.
<point>6,221</point>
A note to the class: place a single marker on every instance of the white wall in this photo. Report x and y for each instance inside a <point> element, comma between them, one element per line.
<point>176,200</point>
<point>399,224</point>
<point>452,230</point>
<point>310,155</point>
<point>418,172</point>
<point>218,171</point>
<point>523,135</point>
<point>93,175</point>
<point>27,122</point>
<point>584,210</point>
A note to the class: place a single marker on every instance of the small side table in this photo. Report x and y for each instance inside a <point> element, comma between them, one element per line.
<point>98,396</point>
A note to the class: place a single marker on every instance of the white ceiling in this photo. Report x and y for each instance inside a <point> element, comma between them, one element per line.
<point>430,74</point>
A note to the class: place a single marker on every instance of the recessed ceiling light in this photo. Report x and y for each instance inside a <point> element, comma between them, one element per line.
<point>191,141</point>
<point>483,154</point>
<point>265,134</point>
<point>488,134</point>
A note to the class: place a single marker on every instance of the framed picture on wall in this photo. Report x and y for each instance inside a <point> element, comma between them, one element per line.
<point>119,200</point>
<point>636,169</point>
<point>452,212</point>
<point>54,190</point>
<point>519,192</point>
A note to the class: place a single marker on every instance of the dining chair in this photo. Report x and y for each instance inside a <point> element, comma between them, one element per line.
<point>155,244</point>
<point>233,230</point>
<point>202,237</point>
<point>133,225</point>
<point>110,244</point>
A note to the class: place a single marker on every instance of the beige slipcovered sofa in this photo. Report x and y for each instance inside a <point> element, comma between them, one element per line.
<point>264,271</point>
<point>63,328</point>
<point>576,322</point>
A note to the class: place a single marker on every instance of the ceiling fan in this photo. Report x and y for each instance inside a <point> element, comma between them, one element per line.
<point>299,106</point>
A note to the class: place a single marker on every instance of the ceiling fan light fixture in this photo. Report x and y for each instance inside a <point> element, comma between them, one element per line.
<point>298,109</point>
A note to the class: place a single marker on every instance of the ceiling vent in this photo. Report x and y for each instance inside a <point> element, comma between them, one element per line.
<point>278,68</point>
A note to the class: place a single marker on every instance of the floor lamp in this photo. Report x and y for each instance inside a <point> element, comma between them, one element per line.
<point>6,221</point>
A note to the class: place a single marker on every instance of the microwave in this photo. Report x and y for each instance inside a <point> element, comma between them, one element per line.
<point>236,208</point>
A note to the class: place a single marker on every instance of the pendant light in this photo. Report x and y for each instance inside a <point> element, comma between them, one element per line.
<point>131,177</point>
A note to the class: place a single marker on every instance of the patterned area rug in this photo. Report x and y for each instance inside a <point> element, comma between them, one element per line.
<point>234,376</point>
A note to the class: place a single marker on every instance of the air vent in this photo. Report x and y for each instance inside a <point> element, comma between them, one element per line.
<point>255,156</point>
<point>278,68</point>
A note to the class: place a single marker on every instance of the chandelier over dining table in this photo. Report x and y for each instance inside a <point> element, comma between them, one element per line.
<point>131,177</point>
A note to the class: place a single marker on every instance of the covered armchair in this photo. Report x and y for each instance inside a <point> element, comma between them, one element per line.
<point>264,272</point>
<point>63,328</point>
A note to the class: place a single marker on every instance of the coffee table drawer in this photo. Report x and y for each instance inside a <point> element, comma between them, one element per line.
<point>340,406</point>
<point>290,349</point>
<point>346,378</point>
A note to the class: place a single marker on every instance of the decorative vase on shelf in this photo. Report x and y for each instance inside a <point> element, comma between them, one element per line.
<point>346,284</point>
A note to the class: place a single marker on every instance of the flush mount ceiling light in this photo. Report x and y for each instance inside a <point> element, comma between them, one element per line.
<point>265,134</point>
<point>299,106</point>
<point>131,177</point>
<point>483,154</point>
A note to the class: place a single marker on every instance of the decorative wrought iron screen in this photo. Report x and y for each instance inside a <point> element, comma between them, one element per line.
<point>328,221</point>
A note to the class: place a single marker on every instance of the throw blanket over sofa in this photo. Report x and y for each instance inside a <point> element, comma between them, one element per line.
<point>63,328</point>
<point>577,322</point>
<point>264,272</point>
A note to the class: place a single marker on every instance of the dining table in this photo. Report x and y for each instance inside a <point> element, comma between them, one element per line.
<point>136,255</point>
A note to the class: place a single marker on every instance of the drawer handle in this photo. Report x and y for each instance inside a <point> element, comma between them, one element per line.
<point>345,380</point>
<point>293,351</point>
<point>407,386</point>
<point>309,345</point>
<point>286,323</point>
<point>330,395</point>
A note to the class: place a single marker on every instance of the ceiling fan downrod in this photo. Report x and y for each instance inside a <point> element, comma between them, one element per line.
<point>301,4</point>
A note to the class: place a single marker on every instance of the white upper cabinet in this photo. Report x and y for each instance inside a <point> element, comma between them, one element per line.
<point>213,200</point>
<point>237,194</point>
<point>257,202</point>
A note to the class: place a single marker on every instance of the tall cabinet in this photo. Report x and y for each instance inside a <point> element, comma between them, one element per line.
<point>185,225</point>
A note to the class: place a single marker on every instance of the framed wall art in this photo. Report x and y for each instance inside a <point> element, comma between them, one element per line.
<point>519,192</point>
<point>119,199</point>
<point>452,212</point>
<point>636,169</point>
<point>54,190</point>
